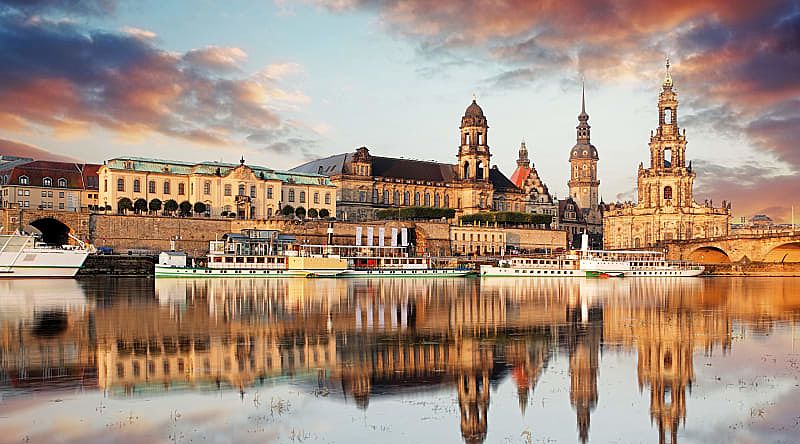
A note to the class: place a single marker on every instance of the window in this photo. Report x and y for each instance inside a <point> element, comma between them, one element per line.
<point>228,189</point>
<point>253,191</point>
<point>667,193</point>
<point>406,198</point>
<point>241,189</point>
<point>396,198</point>
<point>166,187</point>
<point>181,189</point>
<point>23,180</point>
<point>327,198</point>
<point>207,187</point>
<point>436,201</point>
<point>62,182</point>
<point>269,192</point>
<point>291,195</point>
<point>48,182</point>
<point>137,186</point>
<point>446,201</point>
<point>362,196</point>
<point>302,197</point>
<point>120,184</point>
<point>385,197</point>
<point>416,199</point>
<point>151,186</point>
<point>374,195</point>
<point>60,205</point>
<point>105,185</point>
<point>60,194</point>
<point>316,197</point>
<point>427,199</point>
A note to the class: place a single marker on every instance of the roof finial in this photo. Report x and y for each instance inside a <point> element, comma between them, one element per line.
<point>241,161</point>
<point>474,97</point>
<point>668,77</point>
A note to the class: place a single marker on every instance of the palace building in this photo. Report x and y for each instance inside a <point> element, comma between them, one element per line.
<point>241,191</point>
<point>666,209</point>
<point>525,177</point>
<point>367,183</point>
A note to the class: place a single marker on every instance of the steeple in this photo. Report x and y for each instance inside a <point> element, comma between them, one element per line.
<point>583,116</point>
<point>583,120</point>
<point>667,84</point>
<point>523,160</point>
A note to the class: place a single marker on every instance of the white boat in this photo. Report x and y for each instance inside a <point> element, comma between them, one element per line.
<point>21,256</point>
<point>594,263</point>
<point>254,253</point>
<point>383,261</point>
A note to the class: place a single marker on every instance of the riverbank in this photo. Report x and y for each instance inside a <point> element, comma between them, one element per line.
<point>766,269</point>
<point>118,265</point>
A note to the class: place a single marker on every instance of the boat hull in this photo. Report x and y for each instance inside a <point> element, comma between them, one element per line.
<point>43,264</point>
<point>489,271</point>
<point>416,272</point>
<point>198,272</point>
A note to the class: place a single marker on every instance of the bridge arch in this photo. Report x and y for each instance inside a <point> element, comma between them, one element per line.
<point>788,252</point>
<point>54,232</point>
<point>709,255</point>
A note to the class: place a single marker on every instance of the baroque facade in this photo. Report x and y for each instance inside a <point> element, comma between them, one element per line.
<point>525,177</point>
<point>367,183</point>
<point>245,191</point>
<point>666,209</point>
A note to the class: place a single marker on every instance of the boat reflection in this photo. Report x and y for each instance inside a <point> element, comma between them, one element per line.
<point>361,339</point>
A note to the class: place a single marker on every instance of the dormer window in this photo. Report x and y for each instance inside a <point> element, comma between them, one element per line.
<point>47,182</point>
<point>23,180</point>
<point>62,182</point>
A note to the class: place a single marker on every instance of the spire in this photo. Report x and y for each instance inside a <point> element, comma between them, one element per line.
<point>523,159</point>
<point>667,78</point>
<point>583,119</point>
<point>583,116</point>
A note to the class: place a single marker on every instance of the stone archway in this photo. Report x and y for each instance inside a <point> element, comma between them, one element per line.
<point>54,232</point>
<point>709,255</point>
<point>784,253</point>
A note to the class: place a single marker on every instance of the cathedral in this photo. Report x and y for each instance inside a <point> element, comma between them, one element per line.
<point>666,209</point>
<point>367,183</point>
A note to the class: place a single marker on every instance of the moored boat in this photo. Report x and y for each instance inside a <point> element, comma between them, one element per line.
<point>22,256</point>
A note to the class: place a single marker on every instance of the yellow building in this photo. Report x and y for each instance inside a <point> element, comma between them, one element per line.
<point>666,209</point>
<point>470,239</point>
<point>228,190</point>
<point>48,185</point>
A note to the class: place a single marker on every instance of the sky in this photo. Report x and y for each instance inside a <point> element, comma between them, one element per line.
<point>280,82</point>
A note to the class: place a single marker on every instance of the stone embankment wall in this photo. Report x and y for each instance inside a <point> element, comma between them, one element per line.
<point>123,233</point>
<point>754,269</point>
<point>118,265</point>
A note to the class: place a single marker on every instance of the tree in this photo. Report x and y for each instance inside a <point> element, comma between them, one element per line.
<point>186,208</point>
<point>107,208</point>
<point>170,206</point>
<point>300,212</point>
<point>124,205</point>
<point>224,213</point>
<point>313,213</point>
<point>154,205</point>
<point>200,208</point>
<point>324,213</point>
<point>140,206</point>
<point>288,210</point>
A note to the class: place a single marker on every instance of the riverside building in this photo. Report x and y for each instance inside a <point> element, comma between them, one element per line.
<point>48,185</point>
<point>229,190</point>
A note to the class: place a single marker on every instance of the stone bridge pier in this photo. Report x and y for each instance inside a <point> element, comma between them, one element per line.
<point>782,247</point>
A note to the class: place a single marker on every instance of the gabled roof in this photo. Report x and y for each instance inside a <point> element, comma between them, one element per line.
<point>76,174</point>
<point>500,182</point>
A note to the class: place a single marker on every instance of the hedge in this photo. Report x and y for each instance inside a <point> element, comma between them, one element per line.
<point>416,213</point>
<point>508,217</point>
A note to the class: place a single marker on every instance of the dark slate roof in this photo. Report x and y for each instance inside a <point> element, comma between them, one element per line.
<point>327,166</point>
<point>412,169</point>
<point>500,182</point>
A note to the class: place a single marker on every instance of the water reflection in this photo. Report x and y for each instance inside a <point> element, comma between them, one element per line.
<point>358,340</point>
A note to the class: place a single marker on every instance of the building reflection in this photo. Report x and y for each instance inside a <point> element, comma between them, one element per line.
<point>361,339</point>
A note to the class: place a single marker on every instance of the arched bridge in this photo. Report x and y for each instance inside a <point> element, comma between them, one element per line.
<point>778,247</point>
<point>54,226</point>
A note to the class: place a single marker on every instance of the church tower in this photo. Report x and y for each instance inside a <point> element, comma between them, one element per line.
<point>473,154</point>
<point>583,183</point>
<point>668,182</point>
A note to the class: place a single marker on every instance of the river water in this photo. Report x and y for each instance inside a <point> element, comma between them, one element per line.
<point>500,360</point>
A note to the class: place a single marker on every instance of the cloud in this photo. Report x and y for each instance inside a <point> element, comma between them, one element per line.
<point>13,148</point>
<point>83,7</point>
<point>60,77</point>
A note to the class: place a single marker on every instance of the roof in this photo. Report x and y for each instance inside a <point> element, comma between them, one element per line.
<point>519,176</point>
<point>80,176</point>
<point>474,110</point>
<point>143,164</point>
<point>413,169</point>
<point>327,166</point>
<point>583,151</point>
<point>500,182</point>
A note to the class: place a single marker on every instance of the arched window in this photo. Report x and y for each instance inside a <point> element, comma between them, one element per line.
<point>667,193</point>
<point>48,182</point>
<point>137,185</point>
<point>427,199</point>
<point>466,170</point>
<point>479,170</point>
<point>446,201</point>
<point>667,157</point>
<point>416,199</point>
<point>466,138</point>
<point>436,200</point>
<point>406,198</point>
<point>668,116</point>
<point>385,197</point>
<point>62,182</point>
<point>23,180</point>
<point>120,184</point>
<point>396,198</point>
<point>166,187</point>
<point>374,195</point>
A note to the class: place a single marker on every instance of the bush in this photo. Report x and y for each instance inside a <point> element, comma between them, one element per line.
<point>124,205</point>
<point>416,213</point>
<point>155,205</point>
<point>300,212</point>
<point>170,206</point>
<point>313,213</point>
<point>140,206</point>
<point>200,208</point>
<point>324,213</point>
<point>508,218</point>
<point>224,213</point>
<point>288,210</point>
<point>186,208</point>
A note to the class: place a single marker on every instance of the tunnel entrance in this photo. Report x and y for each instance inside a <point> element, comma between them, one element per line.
<point>54,232</point>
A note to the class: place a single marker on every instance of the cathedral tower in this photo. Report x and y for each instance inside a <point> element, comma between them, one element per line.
<point>473,154</point>
<point>583,183</point>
